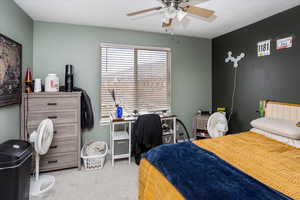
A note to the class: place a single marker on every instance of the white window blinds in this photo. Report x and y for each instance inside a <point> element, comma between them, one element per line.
<point>139,76</point>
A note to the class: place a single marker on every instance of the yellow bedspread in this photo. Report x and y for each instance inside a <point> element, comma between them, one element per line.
<point>273,163</point>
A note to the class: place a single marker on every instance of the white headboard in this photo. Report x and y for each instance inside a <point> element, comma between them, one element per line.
<point>285,111</point>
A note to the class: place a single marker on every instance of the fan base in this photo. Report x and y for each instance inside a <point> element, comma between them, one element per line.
<point>42,185</point>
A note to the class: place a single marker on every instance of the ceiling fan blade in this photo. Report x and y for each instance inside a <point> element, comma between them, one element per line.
<point>143,11</point>
<point>202,12</point>
<point>167,25</point>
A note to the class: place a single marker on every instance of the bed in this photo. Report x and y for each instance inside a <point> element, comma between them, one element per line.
<point>247,165</point>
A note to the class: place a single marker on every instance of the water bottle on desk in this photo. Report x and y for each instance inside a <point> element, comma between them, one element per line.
<point>119,112</point>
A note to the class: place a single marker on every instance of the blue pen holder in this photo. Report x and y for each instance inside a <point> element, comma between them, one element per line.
<point>119,112</point>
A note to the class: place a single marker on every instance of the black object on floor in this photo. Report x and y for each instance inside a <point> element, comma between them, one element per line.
<point>15,169</point>
<point>146,134</point>
<point>201,138</point>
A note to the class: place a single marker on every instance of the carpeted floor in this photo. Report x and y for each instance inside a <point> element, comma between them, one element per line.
<point>110,183</point>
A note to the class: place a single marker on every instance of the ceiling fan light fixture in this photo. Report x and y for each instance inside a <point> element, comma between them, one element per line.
<point>175,11</point>
<point>181,15</point>
<point>170,12</point>
<point>166,20</point>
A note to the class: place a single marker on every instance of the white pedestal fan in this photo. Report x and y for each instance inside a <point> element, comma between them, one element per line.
<point>217,125</point>
<point>42,139</point>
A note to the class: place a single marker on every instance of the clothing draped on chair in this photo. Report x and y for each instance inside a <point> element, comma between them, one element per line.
<point>146,134</point>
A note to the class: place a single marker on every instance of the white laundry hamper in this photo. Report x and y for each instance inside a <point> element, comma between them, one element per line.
<point>94,154</point>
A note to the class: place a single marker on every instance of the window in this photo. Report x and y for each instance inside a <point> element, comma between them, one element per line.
<point>140,78</point>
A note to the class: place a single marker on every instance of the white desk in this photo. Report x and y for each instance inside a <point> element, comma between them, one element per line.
<point>122,139</point>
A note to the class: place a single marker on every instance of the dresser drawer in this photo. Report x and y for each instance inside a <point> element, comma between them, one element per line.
<point>67,116</point>
<point>58,161</point>
<point>61,131</point>
<point>69,145</point>
<point>52,103</point>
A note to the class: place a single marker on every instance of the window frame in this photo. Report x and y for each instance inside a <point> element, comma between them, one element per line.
<point>136,48</point>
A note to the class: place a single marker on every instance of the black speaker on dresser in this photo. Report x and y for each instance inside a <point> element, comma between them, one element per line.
<point>69,78</point>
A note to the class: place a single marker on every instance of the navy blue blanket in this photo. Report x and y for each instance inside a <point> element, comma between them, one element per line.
<point>199,174</point>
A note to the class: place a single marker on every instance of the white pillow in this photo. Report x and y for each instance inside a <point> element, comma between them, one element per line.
<point>283,128</point>
<point>289,141</point>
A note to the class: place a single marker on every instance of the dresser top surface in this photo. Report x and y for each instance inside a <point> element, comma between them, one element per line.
<point>52,94</point>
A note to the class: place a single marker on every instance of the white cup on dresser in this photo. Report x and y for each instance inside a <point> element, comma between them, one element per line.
<point>37,85</point>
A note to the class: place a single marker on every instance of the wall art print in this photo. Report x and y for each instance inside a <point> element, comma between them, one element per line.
<point>10,71</point>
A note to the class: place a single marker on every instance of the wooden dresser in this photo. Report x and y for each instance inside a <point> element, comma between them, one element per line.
<point>63,108</point>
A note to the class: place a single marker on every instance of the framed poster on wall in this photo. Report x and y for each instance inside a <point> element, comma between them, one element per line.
<point>10,71</point>
<point>284,43</point>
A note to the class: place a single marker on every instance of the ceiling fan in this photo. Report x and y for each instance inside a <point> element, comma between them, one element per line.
<point>176,9</point>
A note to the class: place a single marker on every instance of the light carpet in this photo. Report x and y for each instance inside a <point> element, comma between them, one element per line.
<point>110,183</point>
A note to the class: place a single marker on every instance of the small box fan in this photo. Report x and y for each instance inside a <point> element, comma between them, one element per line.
<point>217,125</point>
<point>42,139</point>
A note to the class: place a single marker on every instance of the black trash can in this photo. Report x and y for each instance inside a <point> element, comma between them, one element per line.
<point>15,169</point>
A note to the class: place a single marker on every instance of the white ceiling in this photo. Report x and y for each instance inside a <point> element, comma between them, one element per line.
<point>230,14</point>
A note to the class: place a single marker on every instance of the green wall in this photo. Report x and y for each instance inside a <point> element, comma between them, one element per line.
<point>58,44</point>
<point>15,24</point>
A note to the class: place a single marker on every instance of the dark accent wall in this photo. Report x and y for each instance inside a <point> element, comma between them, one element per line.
<point>274,77</point>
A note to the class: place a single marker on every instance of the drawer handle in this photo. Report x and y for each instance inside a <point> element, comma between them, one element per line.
<point>52,104</point>
<point>52,117</point>
<point>54,147</point>
<point>122,142</point>
<point>54,132</point>
<point>52,161</point>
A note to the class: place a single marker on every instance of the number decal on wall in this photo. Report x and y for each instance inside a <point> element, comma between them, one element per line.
<point>264,48</point>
